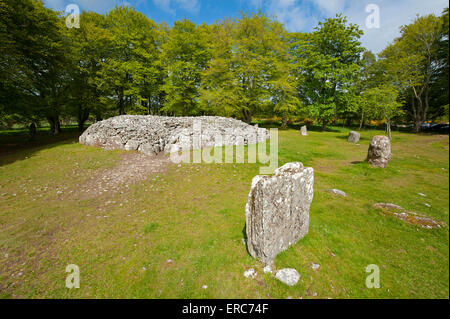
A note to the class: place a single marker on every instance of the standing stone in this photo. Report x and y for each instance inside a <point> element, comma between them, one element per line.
<point>379,153</point>
<point>277,212</point>
<point>304,130</point>
<point>354,137</point>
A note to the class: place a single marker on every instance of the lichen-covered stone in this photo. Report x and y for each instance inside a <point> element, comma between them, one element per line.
<point>277,212</point>
<point>354,137</point>
<point>155,134</point>
<point>379,153</point>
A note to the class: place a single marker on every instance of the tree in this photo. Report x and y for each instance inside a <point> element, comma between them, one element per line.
<point>220,91</point>
<point>381,103</point>
<point>250,69</point>
<point>439,88</point>
<point>185,56</point>
<point>33,60</point>
<point>130,71</point>
<point>89,46</point>
<point>410,63</point>
<point>328,61</point>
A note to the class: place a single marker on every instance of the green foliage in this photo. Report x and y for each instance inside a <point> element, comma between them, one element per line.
<point>410,63</point>
<point>33,75</point>
<point>124,63</point>
<point>381,103</point>
<point>185,56</point>
<point>328,60</point>
<point>250,69</point>
<point>132,68</point>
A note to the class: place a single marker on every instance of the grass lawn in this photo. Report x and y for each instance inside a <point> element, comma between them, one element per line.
<point>193,214</point>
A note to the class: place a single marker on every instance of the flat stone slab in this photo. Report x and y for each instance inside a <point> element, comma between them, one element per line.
<point>337,192</point>
<point>409,217</point>
<point>288,276</point>
<point>277,212</point>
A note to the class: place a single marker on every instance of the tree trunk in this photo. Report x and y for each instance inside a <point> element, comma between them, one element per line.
<point>32,129</point>
<point>284,122</point>
<point>362,121</point>
<point>55,126</point>
<point>247,116</point>
<point>388,128</point>
<point>83,115</point>
<point>324,125</point>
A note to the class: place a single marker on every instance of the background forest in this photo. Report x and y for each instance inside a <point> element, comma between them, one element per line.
<point>124,63</point>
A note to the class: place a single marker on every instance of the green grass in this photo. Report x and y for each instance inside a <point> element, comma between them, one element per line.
<point>193,214</point>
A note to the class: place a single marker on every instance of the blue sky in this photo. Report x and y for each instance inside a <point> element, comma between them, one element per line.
<point>297,15</point>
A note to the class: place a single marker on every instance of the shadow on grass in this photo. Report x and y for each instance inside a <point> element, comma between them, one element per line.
<point>16,146</point>
<point>244,236</point>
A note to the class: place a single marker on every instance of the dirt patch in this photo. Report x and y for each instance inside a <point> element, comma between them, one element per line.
<point>131,168</point>
<point>409,217</point>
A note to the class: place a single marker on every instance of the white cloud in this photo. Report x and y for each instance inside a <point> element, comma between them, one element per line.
<point>192,6</point>
<point>303,15</point>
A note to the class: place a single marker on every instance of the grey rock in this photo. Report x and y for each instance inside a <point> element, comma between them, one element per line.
<point>152,135</point>
<point>289,276</point>
<point>338,192</point>
<point>315,266</point>
<point>267,269</point>
<point>379,153</point>
<point>387,206</point>
<point>250,273</point>
<point>354,137</point>
<point>304,130</point>
<point>277,212</point>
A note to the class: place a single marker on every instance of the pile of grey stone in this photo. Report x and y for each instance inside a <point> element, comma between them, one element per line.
<point>155,134</point>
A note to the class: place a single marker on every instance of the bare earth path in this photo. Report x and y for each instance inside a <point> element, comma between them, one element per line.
<point>132,168</point>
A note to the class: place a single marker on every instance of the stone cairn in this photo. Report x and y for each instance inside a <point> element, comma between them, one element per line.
<point>304,131</point>
<point>354,137</point>
<point>277,212</point>
<point>379,153</point>
<point>155,134</point>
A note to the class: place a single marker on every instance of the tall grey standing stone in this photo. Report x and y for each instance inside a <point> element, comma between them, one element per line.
<point>304,131</point>
<point>277,212</point>
<point>354,137</point>
<point>379,153</point>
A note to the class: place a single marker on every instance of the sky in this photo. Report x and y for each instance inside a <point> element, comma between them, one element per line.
<point>296,15</point>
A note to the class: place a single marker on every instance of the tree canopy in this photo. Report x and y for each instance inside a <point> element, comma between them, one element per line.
<point>122,62</point>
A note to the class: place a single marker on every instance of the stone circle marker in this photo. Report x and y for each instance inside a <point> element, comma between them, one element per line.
<point>379,153</point>
<point>354,137</point>
<point>304,130</point>
<point>277,212</point>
